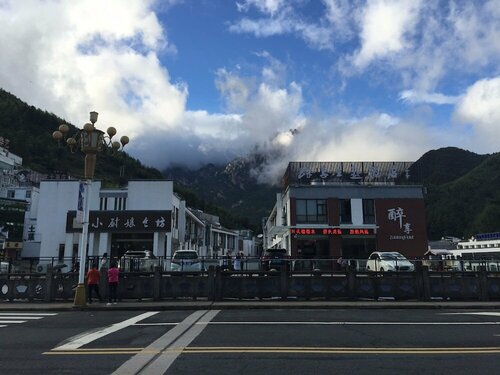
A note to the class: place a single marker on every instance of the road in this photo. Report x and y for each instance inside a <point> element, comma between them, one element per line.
<point>351,341</point>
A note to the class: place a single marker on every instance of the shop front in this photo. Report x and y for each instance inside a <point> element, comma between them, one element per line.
<point>332,242</point>
<point>115,232</point>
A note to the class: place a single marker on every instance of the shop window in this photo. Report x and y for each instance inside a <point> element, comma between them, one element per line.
<point>311,211</point>
<point>345,211</point>
<point>368,211</point>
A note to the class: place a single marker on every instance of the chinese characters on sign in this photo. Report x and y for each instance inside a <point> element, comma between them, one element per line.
<point>124,221</point>
<point>397,214</point>
<point>331,231</point>
<point>357,172</point>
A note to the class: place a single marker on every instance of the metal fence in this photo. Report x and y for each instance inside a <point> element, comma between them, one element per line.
<point>327,280</point>
<point>149,264</point>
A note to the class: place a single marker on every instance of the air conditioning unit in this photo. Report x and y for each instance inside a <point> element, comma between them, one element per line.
<point>42,268</point>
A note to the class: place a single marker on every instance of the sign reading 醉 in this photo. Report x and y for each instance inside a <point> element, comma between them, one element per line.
<point>123,221</point>
<point>397,214</point>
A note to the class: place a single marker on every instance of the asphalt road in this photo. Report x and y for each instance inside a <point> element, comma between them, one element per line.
<point>250,342</point>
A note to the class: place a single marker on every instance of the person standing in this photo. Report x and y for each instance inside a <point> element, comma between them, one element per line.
<point>104,261</point>
<point>237,262</point>
<point>113,276</point>
<point>93,277</point>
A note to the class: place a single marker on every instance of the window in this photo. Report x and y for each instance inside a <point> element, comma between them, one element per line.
<point>28,193</point>
<point>311,211</point>
<point>11,194</point>
<point>103,204</point>
<point>345,211</point>
<point>368,211</point>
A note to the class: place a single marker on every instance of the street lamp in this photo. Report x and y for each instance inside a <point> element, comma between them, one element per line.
<point>90,141</point>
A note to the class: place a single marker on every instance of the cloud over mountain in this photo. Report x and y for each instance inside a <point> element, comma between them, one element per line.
<point>396,78</point>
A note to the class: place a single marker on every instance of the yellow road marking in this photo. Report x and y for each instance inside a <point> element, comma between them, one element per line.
<point>291,350</point>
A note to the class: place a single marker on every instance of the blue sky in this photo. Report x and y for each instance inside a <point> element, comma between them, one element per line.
<point>198,81</point>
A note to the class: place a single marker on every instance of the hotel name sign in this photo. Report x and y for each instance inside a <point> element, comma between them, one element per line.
<point>122,221</point>
<point>357,172</point>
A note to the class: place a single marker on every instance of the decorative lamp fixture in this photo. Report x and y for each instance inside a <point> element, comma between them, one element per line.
<point>90,141</point>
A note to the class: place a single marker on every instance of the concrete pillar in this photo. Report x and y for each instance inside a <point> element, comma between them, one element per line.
<point>168,247</point>
<point>68,245</point>
<point>159,243</point>
<point>104,244</point>
<point>92,249</point>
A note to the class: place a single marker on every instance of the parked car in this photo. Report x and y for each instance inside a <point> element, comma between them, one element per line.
<point>186,261</point>
<point>251,264</point>
<point>4,267</point>
<point>381,261</point>
<point>305,265</point>
<point>138,261</point>
<point>275,259</point>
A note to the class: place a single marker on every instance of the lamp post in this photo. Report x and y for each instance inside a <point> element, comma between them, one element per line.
<point>90,141</point>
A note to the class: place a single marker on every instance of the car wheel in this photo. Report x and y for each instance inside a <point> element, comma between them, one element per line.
<point>368,268</point>
<point>381,269</point>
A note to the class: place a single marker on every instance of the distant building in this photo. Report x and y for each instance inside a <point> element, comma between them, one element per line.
<point>18,201</point>
<point>347,209</point>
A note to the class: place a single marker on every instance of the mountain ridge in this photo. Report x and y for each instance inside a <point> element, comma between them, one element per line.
<point>461,199</point>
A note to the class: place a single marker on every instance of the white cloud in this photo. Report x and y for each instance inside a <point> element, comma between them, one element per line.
<point>480,106</point>
<point>280,18</point>
<point>377,137</point>
<point>415,97</point>
<point>266,6</point>
<point>72,57</point>
<point>86,55</point>
<point>384,28</point>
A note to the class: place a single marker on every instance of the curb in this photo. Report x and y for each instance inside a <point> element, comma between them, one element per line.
<point>247,305</point>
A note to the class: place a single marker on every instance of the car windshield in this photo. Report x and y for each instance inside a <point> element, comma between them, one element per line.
<point>185,255</point>
<point>138,254</point>
<point>273,252</point>
<point>392,257</point>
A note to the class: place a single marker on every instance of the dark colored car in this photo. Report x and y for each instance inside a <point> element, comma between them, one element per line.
<point>275,259</point>
<point>305,265</point>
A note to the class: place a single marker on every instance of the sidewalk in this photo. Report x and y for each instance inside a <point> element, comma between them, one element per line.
<point>242,305</point>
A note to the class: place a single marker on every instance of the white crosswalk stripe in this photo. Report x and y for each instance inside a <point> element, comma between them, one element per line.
<point>19,318</point>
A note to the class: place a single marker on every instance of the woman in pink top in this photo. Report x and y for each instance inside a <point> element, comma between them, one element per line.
<point>113,275</point>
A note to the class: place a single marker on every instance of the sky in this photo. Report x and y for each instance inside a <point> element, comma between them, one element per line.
<point>206,81</point>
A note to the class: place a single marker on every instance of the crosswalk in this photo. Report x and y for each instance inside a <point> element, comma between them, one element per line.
<point>19,318</point>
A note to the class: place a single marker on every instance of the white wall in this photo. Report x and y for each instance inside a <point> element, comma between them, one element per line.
<point>357,211</point>
<point>57,197</point>
<point>150,195</point>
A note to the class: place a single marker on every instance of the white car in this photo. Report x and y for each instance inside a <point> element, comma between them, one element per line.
<point>390,261</point>
<point>138,261</point>
<point>186,261</point>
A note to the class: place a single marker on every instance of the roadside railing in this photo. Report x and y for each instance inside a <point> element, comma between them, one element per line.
<point>202,264</point>
<point>292,279</point>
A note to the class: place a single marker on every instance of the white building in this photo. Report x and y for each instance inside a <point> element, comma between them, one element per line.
<point>145,215</point>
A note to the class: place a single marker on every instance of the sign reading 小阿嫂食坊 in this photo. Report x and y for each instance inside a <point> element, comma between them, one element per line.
<point>123,221</point>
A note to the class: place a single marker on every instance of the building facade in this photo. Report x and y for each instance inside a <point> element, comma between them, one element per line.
<point>144,215</point>
<point>347,210</point>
